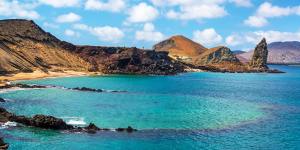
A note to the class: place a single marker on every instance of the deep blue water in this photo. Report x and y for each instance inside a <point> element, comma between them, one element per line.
<point>187,111</point>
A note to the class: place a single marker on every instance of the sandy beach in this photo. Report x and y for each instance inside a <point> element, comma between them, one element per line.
<point>40,74</point>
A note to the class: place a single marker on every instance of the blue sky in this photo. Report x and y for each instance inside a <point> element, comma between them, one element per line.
<point>238,24</point>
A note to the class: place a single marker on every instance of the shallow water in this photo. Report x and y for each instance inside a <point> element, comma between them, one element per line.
<point>188,111</point>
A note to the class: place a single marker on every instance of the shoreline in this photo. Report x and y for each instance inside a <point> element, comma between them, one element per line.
<point>38,74</point>
<point>42,75</point>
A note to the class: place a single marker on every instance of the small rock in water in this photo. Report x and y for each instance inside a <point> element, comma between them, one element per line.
<point>2,100</point>
<point>92,126</point>
<point>87,89</point>
<point>129,129</point>
<point>3,145</point>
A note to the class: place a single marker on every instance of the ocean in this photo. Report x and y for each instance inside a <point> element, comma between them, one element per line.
<point>203,110</point>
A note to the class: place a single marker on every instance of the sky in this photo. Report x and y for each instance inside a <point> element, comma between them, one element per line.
<point>238,24</point>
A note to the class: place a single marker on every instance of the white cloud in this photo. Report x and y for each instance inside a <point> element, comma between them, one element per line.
<point>255,21</point>
<point>80,26</point>
<point>267,10</point>
<point>50,25</point>
<point>207,37</point>
<point>142,13</point>
<point>110,5</point>
<point>108,33</point>
<point>234,40</point>
<point>71,33</point>
<point>242,3</point>
<point>149,34</point>
<point>104,33</point>
<point>61,3</point>
<point>192,9</point>
<point>203,11</point>
<point>255,37</point>
<point>15,9</point>
<point>185,2</point>
<point>68,18</point>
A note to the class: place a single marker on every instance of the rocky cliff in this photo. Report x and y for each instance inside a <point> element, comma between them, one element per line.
<point>216,55</point>
<point>260,56</point>
<point>25,47</point>
<point>121,60</point>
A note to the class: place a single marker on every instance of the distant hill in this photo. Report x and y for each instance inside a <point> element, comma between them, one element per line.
<point>279,53</point>
<point>180,47</point>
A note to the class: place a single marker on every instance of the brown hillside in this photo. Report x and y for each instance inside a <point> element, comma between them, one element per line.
<point>181,48</point>
<point>25,47</point>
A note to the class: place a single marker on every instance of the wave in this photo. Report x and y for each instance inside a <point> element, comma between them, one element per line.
<point>8,124</point>
<point>76,121</point>
<point>11,90</point>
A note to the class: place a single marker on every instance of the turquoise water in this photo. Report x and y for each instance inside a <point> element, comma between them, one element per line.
<point>187,111</point>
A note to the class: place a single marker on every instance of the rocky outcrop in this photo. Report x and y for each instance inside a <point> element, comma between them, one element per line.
<point>87,89</point>
<point>41,121</point>
<point>129,129</point>
<point>216,55</point>
<point>260,56</point>
<point>279,53</point>
<point>121,60</point>
<point>3,145</point>
<point>50,122</point>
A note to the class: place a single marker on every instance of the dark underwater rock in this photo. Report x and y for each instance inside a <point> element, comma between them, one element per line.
<point>85,89</point>
<point>2,100</point>
<point>129,129</point>
<point>3,145</point>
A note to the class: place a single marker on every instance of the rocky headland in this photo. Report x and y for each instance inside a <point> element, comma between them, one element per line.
<point>26,48</point>
<point>218,59</point>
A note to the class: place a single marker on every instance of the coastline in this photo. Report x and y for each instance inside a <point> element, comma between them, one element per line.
<point>41,75</point>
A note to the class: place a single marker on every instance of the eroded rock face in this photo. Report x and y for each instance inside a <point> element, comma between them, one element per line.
<point>122,60</point>
<point>217,55</point>
<point>25,47</point>
<point>260,56</point>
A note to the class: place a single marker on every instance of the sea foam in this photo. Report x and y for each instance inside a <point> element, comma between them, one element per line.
<point>8,124</point>
<point>77,121</point>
